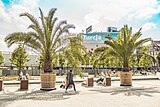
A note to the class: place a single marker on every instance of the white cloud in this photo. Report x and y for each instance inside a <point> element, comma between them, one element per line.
<point>109,12</point>
<point>119,11</point>
<point>134,30</point>
<point>99,13</point>
<point>27,3</point>
<point>1,6</point>
<point>10,17</point>
<point>147,12</point>
<point>148,26</point>
<point>10,20</point>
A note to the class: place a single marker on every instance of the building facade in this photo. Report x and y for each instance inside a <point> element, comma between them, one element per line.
<point>7,56</point>
<point>93,40</point>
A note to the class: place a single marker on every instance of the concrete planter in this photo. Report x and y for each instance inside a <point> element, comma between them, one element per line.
<point>1,85</point>
<point>48,81</point>
<point>24,85</point>
<point>107,81</point>
<point>90,82</point>
<point>125,78</point>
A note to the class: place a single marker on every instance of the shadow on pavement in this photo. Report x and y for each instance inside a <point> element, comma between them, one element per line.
<point>70,93</point>
<point>130,91</point>
<point>7,98</point>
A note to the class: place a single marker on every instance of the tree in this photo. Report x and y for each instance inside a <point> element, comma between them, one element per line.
<point>145,61</point>
<point>46,38</point>
<point>61,60</point>
<point>103,56</point>
<point>19,57</point>
<point>124,46</point>
<point>98,57</point>
<point>73,55</point>
<point>87,59</point>
<point>1,58</point>
<point>133,61</point>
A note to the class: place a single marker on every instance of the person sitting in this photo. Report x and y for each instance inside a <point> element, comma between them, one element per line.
<point>27,76</point>
<point>101,78</point>
<point>143,73</point>
<point>84,83</point>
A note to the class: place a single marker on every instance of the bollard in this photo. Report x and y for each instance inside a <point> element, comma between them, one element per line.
<point>90,82</point>
<point>108,81</point>
<point>24,85</point>
<point>1,85</point>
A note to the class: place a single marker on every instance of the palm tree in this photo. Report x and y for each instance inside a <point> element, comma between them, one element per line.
<point>146,58</point>
<point>98,56</point>
<point>124,46</point>
<point>46,38</point>
<point>73,54</point>
<point>103,56</point>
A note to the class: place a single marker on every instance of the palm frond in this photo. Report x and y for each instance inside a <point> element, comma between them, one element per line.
<point>137,44</point>
<point>34,21</point>
<point>50,17</point>
<point>17,37</point>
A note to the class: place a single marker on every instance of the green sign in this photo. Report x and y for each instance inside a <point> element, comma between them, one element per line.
<point>98,37</point>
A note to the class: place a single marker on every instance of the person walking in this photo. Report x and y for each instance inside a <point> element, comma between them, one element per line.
<point>69,78</point>
<point>20,75</point>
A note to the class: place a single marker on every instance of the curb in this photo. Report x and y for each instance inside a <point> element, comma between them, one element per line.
<point>38,82</point>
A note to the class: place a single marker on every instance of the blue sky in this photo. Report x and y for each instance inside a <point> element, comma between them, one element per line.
<point>83,13</point>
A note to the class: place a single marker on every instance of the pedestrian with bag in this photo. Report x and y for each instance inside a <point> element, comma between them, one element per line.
<point>69,78</point>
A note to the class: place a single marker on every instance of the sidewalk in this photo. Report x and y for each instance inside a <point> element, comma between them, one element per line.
<point>142,94</point>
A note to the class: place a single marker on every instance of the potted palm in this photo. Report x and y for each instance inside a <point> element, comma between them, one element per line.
<point>45,38</point>
<point>123,48</point>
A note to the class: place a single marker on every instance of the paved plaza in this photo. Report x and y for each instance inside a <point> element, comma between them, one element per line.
<point>143,93</point>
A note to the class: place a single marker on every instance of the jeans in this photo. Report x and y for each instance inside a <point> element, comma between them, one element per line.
<point>71,82</point>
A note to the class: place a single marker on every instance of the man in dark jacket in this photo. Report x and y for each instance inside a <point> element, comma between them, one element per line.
<point>69,78</point>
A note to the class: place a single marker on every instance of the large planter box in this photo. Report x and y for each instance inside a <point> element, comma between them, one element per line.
<point>48,81</point>
<point>125,78</point>
<point>119,73</point>
<point>1,85</point>
<point>24,85</point>
<point>90,82</point>
<point>107,81</point>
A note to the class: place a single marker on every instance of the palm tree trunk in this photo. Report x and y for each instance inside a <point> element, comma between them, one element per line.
<point>125,66</point>
<point>48,66</point>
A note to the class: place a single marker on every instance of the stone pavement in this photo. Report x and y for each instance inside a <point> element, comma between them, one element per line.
<point>143,93</point>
